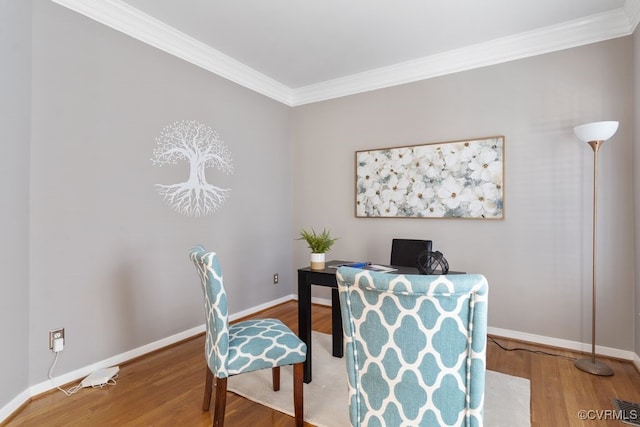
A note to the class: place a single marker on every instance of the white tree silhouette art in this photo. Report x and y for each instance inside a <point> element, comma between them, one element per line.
<point>202,148</point>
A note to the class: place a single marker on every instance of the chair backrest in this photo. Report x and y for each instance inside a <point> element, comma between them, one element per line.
<point>215,308</point>
<point>415,347</point>
<point>404,252</point>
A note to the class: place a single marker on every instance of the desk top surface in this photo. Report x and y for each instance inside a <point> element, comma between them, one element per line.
<point>399,269</point>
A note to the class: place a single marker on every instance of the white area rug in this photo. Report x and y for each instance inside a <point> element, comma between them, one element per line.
<point>325,398</point>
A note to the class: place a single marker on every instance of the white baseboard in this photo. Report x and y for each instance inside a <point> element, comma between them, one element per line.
<point>321,301</point>
<point>78,374</point>
<point>14,405</point>
<point>112,361</point>
<point>544,340</point>
<point>148,348</point>
<point>68,377</point>
<point>560,343</point>
<point>252,310</point>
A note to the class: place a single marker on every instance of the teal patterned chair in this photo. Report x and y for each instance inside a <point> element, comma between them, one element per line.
<point>243,346</point>
<point>415,347</point>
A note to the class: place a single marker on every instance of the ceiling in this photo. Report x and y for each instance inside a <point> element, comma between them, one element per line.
<point>306,51</point>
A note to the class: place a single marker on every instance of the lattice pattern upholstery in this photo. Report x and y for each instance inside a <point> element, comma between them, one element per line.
<point>415,347</point>
<point>244,346</point>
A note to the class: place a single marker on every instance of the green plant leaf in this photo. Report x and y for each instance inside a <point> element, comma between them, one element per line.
<point>318,243</point>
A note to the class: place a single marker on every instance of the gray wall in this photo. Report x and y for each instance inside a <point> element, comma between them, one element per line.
<point>88,245</point>
<point>538,259</point>
<point>636,161</point>
<point>108,257</point>
<point>15,105</point>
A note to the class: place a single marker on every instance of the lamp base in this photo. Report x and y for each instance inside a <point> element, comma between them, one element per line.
<point>593,366</point>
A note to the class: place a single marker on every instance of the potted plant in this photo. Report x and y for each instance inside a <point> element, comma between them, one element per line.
<point>320,244</point>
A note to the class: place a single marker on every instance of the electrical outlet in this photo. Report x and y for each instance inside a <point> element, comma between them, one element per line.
<point>275,279</point>
<point>55,334</point>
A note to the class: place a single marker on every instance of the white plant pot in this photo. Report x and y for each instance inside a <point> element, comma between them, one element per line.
<point>317,261</point>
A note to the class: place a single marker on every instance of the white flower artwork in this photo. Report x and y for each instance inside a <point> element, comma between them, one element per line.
<point>460,179</point>
<point>202,147</point>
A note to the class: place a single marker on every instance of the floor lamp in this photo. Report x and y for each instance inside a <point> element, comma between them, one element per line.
<point>595,134</point>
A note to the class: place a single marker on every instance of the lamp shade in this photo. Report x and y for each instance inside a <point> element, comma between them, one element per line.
<point>596,131</point>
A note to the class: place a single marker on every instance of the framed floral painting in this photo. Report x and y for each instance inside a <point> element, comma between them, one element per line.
<point>457,179</point>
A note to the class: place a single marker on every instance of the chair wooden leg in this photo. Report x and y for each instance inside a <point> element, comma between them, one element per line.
<point>275,374</point>
<point>298,393</point>
<point>208,387</point>
<point>221,402</point>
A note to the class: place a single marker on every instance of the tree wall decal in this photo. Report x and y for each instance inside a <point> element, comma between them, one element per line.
<point>201,146</point>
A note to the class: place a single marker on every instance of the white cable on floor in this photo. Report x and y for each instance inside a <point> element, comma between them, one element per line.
<point>73,389</point>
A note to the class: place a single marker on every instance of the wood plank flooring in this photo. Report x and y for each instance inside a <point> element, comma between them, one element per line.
<point>165,388</point>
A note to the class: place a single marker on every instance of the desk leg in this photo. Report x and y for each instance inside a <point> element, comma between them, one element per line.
<point>336,324</point>
<point>304,320</point>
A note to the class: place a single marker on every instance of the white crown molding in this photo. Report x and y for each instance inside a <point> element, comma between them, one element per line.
<point>126,19</point>
<point>632,9</point>
<point>131,21</point>
<point>592,29</point>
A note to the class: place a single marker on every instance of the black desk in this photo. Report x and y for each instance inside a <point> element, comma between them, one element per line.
<point>326,277</point>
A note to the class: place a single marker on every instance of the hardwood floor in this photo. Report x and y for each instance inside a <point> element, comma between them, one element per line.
<point>165,388</point>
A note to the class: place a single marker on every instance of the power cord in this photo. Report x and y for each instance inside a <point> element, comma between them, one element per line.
<point>76,388</point>
<point>529,350</point>
<point>73,390</point>
<point>110,381</point>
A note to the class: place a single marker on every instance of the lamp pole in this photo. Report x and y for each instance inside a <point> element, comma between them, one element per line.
<point>591,365</point>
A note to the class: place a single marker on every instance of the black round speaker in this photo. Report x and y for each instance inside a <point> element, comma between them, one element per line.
<point>429,262</point>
